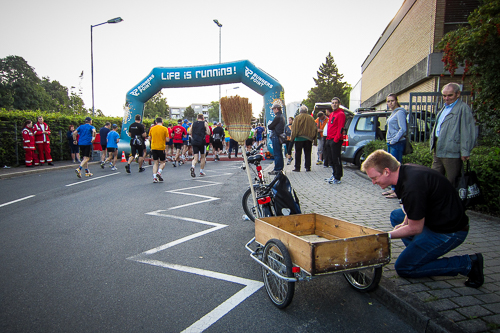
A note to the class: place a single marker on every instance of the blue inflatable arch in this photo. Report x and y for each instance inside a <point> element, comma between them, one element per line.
<point>208,75</point>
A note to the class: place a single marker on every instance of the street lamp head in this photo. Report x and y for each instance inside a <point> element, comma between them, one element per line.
<point>218,24</point>
<point>115,20</point>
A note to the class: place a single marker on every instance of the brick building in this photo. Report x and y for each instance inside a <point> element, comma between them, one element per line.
<point>406,57</point>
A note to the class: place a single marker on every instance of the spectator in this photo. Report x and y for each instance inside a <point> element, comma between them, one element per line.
<point>30,157</point>
<point>431,223</point>
<point>73,148</point>
<point>304,131</point>
<point>327,163</point>
<point>321,121</point>
<point>334,140</point>
<point>289,142</point>
<point>453,135</point>
<point>42,140</point>
<point>395,136</point>
<point>278,128</point>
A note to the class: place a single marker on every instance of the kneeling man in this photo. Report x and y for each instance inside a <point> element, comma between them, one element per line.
<point>432,222</point>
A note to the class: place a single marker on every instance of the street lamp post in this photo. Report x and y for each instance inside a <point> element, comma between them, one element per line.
<point>115,20</point>
<point>220,26</point>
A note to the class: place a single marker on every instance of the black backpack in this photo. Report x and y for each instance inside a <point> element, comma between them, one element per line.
<point>285,198</point>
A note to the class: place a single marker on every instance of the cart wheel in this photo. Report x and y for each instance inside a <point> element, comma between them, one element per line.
<point>277,257</point>
<point>364,280</point>
<point>247,202</point>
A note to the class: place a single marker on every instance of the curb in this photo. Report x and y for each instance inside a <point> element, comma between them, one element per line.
<point>37,170</point>
<point>412,310</point>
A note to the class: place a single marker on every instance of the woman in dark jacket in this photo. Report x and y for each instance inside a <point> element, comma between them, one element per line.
<point>289,143</point>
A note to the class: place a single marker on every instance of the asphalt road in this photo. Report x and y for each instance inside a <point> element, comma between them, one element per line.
<point>117,253</point>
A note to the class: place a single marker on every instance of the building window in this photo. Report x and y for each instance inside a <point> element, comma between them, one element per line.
<point>457,12</point>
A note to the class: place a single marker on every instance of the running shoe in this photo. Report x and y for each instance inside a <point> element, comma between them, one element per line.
<point>158,175</point>
<point>174,164</point>
<point>114,168</point>
<point>78,173</point>
<point>202,173</point>
<point>88,174</point>
<point>155,180</point>
<point>181,162</point>
<point>127,168</point>
<point>142,169</point>
<point>319,162</point>
<point>329,180</point>
<point>102,165</point>
<point>336,181</point>
<point>193,174</point>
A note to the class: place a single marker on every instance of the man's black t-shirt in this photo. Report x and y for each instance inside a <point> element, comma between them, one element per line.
<point>426,193</point>
<point>136,130</point>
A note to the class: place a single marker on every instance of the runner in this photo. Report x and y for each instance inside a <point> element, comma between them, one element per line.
<point>137,134</point>
<point>178,135</point>
<point>159,136</point>
<point>198,132</point>
<point>112,147</point>
<point>87,136</point>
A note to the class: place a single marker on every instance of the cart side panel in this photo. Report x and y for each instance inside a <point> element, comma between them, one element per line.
<point>303,224</point>
<point>300,251</point>
<point>332,228</point>
<point>349,253</point>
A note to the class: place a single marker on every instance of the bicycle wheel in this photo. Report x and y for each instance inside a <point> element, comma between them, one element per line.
<point>364,280</point>
<point>247,202</point>
<point>276,256</point>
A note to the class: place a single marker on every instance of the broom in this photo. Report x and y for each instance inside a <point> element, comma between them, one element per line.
<point>237,115</point>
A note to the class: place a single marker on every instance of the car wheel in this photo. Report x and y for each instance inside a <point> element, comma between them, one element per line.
<point>360,157</point>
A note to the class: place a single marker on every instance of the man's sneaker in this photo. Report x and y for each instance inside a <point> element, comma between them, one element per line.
<point>181,162</point>
<point>155,180</point>
<point>319,162</point>
<point>158,175</point>
<point>102,165</point>
<point>142,169</point>
<point>329,180</point>
<point>289,162</point>
<point>127,168</point>
<point>193,174</point>
<point>202,173</point>
<point>88,174</point>
<point>114,168</point>
<point>335,181</point>
<point>174,164</point>
<point>78,173</point>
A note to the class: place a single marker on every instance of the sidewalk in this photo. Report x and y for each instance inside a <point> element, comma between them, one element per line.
<point>437,304</point>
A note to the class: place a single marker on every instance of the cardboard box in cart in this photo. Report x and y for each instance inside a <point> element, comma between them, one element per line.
<point>320,244</point>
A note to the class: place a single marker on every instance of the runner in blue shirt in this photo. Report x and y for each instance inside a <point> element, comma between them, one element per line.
<point>112,147</point>
<point>87,136</point>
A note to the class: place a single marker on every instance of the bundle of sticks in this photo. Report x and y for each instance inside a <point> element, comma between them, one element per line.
<point>237,115</point>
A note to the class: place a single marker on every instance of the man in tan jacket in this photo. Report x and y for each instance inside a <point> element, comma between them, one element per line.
<point>304,131</point>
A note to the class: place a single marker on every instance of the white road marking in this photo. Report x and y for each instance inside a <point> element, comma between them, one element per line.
<point>14,201</point>
<point>221,310</point>
<point>93,178</point>
<point>209,198</point>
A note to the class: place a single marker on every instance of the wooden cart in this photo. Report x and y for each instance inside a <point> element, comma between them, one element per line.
<point>300,247</point>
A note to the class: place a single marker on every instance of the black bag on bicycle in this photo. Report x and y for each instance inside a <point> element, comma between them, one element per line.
<point>285,198</point>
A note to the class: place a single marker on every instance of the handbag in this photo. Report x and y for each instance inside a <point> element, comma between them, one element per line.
<point>468,188</point>
<point>408,147</point>
<point>282,138</point>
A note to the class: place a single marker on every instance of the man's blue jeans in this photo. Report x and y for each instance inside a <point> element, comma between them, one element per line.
<point>278,154</point>
<point>420,258</point>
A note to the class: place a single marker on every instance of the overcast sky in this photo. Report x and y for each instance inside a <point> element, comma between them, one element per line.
<point>287,39</point>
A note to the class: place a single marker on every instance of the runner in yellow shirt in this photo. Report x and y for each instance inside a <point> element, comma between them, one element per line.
<point>158,136</point>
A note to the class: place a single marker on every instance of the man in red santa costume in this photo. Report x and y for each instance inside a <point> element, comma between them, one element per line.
<point>29,144</point>
<point>42,141</point>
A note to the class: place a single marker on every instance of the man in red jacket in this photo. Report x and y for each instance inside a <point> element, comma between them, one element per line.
<point>29,144</point>
<point>42,141</point>
<point>334,139</point>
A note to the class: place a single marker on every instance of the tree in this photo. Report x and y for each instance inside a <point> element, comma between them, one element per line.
<point>189,113</point>
<point>328,85</point>
<point>157,106</point>
<point>213,111</point>
<point>476,48</point>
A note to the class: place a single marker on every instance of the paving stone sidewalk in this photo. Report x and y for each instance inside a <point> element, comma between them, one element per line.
<point>437,304</point>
